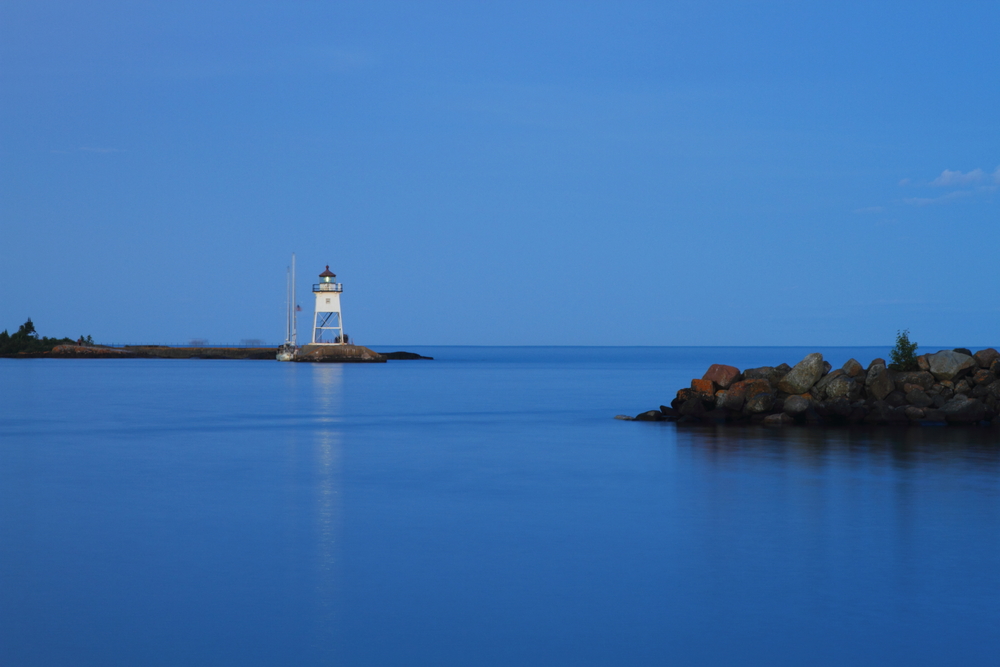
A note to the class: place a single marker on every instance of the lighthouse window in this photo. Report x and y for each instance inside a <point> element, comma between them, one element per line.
<point>328,301</point>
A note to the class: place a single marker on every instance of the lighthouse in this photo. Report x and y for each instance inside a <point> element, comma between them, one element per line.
<point>328,325</point>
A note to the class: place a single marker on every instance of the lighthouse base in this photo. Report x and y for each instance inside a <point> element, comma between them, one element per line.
<point>338,354</point>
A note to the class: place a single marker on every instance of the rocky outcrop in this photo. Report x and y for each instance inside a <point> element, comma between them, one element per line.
<point>951,387</point>
<point>90,352</point>
<point>338,354</point>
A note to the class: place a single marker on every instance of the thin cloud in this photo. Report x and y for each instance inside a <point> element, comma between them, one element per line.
<point>943,199</point>
<point>949,178</point>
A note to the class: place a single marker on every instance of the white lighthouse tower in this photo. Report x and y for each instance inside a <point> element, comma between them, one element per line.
<point>328,325</point>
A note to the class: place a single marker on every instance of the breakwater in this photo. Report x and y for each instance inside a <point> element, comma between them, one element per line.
<point>950,386</point>
<point>308,353</point>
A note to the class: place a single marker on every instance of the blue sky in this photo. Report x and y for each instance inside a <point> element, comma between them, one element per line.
<point>504,173</point>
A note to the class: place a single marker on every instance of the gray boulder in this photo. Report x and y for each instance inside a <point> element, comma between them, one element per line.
<point>796,405</point>
<point>804,375</point>
<point>878,383</point>
<point>758,403</point>
<point>819,389</point>
<point>922,378</point>
<point>964,410</point>
<point>950,365</point>
<point>842,386</point>
<point>780,419</point>
<point>918,399</point>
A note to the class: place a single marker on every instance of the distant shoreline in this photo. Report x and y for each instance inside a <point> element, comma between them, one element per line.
<point>73,351</point>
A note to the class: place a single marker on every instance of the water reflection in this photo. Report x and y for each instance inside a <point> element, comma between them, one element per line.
<point>976,447</point>
<point>327,380</point>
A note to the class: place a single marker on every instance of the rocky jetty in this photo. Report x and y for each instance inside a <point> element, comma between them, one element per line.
<point>338,354</point>
<point>950,386</point>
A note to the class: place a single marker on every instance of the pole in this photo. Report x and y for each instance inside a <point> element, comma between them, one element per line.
<point>295,306</point>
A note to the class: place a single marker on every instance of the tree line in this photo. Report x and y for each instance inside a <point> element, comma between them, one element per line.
<point>26,340</point>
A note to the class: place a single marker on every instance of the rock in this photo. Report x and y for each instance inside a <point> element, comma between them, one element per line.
<point>706,387</point>
<point>669,413</point>
<point>717,415</point>
<point>983,377</point>
<point>735,396</point>
<point>993,390</point>
<point>922,363</point>
<point>338,354</point>
<point>936,415</point>
<point>624,418</point>
<point>692,407</point>
<point>780,419</point>
<point>963,350</point>
<point>796,405</point>
<point>650,416</point>
<point>917,398</point>
<point>963,387</point>
<point>759,396</point>
<point>722,375</point>
<point>804,375</point>
<point>980,391</point>
<point>877,360</point>
<point>759,403</point>
<point>964,410</point>
<point>878,383</point>
<point>878,413</point>
<point>915,414</point>
<point>922,378</point>
<point>839,407</point>
<point>896,399</point>
<point>853,369</point>
<point>950,365</point>
<point>819,389</point>
<point>986,357</point>
<point>858,412</point>
<point>843,386</point>
<point>827,367</point>
<point>782,369</point>
<point>769,373</point>
<point>720,399</point>
<point>995,368</point>
<point>898,415</point>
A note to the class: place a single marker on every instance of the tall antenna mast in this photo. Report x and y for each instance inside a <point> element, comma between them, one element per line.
<point>288,321</point>
<point>295,306</point>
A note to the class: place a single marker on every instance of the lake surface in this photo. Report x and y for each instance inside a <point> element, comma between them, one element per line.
<point>481,509</point>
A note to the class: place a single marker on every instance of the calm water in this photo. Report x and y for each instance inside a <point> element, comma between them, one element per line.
<point>480,509</point>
